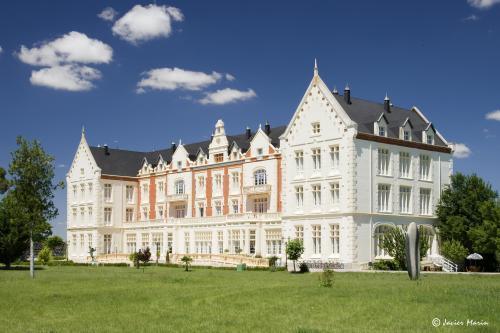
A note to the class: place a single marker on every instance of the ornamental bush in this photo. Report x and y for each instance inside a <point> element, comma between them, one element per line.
<point>326,278</point>
<point>386,265</point>
<point>303,268</point>
<point>455,251</point>
<point>45,255</point>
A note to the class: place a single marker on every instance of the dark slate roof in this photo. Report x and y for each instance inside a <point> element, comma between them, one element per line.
<point>365,114</point>
<point>120,162</point>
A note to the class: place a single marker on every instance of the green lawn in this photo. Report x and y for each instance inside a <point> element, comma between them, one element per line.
<point>120,299</point>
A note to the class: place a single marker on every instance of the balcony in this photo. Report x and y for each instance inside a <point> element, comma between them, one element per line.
<point>257,189</point>
<point>177,197</point>
<point>242,217</point>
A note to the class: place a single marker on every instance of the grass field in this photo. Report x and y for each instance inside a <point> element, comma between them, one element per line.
<point>121,299</point>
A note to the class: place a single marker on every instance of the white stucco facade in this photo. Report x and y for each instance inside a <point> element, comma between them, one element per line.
<point>323,181</point>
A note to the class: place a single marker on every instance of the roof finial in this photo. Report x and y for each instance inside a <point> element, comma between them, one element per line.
<point>83,131</point>
<point>315,67</point>
<point>386,97</point>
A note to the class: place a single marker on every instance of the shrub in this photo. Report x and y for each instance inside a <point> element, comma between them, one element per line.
<point>303,268</point>
<point>45,255</point>
<point>454,250</point>
<point>272,262</point>
<point>186,260</point>
<point>258,256</point>
<point>386,265</point>
<point>294,250</point>
<point>326,278</point>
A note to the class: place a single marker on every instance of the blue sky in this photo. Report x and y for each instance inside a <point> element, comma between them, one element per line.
<point>245,62</point>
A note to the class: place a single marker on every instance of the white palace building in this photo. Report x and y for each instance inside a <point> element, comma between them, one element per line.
<point>337,176</point>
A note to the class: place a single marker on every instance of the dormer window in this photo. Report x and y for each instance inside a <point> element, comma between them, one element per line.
<point>179,165</point>
<point>430,139</point>
<point>316,128</point>
<point>219,157</point>
<point>406,135</point>
<point>235,155</point>
<point>381,130</point>
<point>260,151</point>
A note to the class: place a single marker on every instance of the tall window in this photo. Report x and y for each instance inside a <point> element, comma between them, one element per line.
<point>406,135</point>
<point>218,208</point>
<point>74,242</point>
<point>316,192</point>
<point>425,167</point>
<point>90,210</point>
<point>90,240</point>
<point>91,188</point>
<point>82,213</point>
<point>335,194</point>
<point>273,241</point>
<point>158,242</point>
<point>131,243</point>
<point>335,238</point>
<point>129,214</point>
<point>299,161</point>
<point>383,162</point>
<point>379,235</point>
<point>252,238</point>
<point>384,193</point>
<point>316,128</point>
<point>75,193</point>
<point>145,241</point>
<point>404,164</point>
<point>316,238</point>
<point>201,209</point>
<point>299,232</point>
<point>107,215</point>
<point>218,182</point>
<point>74,215</point>
<point>160,188</point>
<point>170,241</point>
<point>425,201</point>
<point>107,192</point>
<point>235,205</point>
<point>186,242</point>
<point>179,165</point>
<point>220,241</point>
<point>335,156</point>
<point>201,183</point>
<point>160,212</point>
<point>430,139</point>
<point>144,213</point>
<point>235,179</point>
<point>179,186</point>
<point>82,190</point>
<point>299,196</point>
<point>82,241</point>
<point>107,244</point>
<point>145,192</point>
<point>405,199</point>
<point>316,158</point>
<point>129,193</point>
<point>260,177</point>
<point>180,211</point>
<point>260,205</point>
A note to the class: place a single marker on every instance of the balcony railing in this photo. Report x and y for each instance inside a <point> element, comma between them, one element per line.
<point>242,217</point>
<point>257,189</point>
<point>177,197</point>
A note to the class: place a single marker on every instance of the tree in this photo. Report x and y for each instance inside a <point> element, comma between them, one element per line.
<point>294,250</point>
<point>468,213</point>
<point>186,260</point>
<point>4,183</point>
<point>54,242</point>
<point>32,172</point>
<point>454,251</point>
<point>394,243</point>
<point>14,234</point>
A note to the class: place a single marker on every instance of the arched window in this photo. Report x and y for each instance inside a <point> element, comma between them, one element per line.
<point>179,186</point>
<point>378,236</point>
<point>260,177</point>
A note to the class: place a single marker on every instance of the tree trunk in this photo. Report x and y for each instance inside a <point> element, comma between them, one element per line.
<point>32,257</point>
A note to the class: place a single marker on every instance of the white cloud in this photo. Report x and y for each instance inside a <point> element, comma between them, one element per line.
<point>1,50</point>
<point>176,78</point>
<point>471,18</point>
<point>73,47</point>
<point>230,77</point>
<point>460,150</point>
<point>226,96</point>
<point>495,115</point>
<point>108,14</point>
<point>143,23</point>
<point>66,77</point>
<point>483,4</point>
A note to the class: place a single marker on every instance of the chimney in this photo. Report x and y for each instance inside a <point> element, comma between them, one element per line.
<point>106,149</point>
<point>347,94</point>
<point>387,103</point>
<point>248,132</point>
<point>174,146</point>
<point>267,128</point>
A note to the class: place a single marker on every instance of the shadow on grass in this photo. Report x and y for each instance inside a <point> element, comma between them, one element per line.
<point>20,268</point>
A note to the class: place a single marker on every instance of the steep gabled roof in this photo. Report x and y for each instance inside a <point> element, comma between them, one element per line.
<point>365,113</point>
<point>121,162</point>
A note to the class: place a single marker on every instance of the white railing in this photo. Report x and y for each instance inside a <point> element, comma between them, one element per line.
<point>256,189</point>
<point>445,263</point>
<point>242,217</point>
<point>177,197</point>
